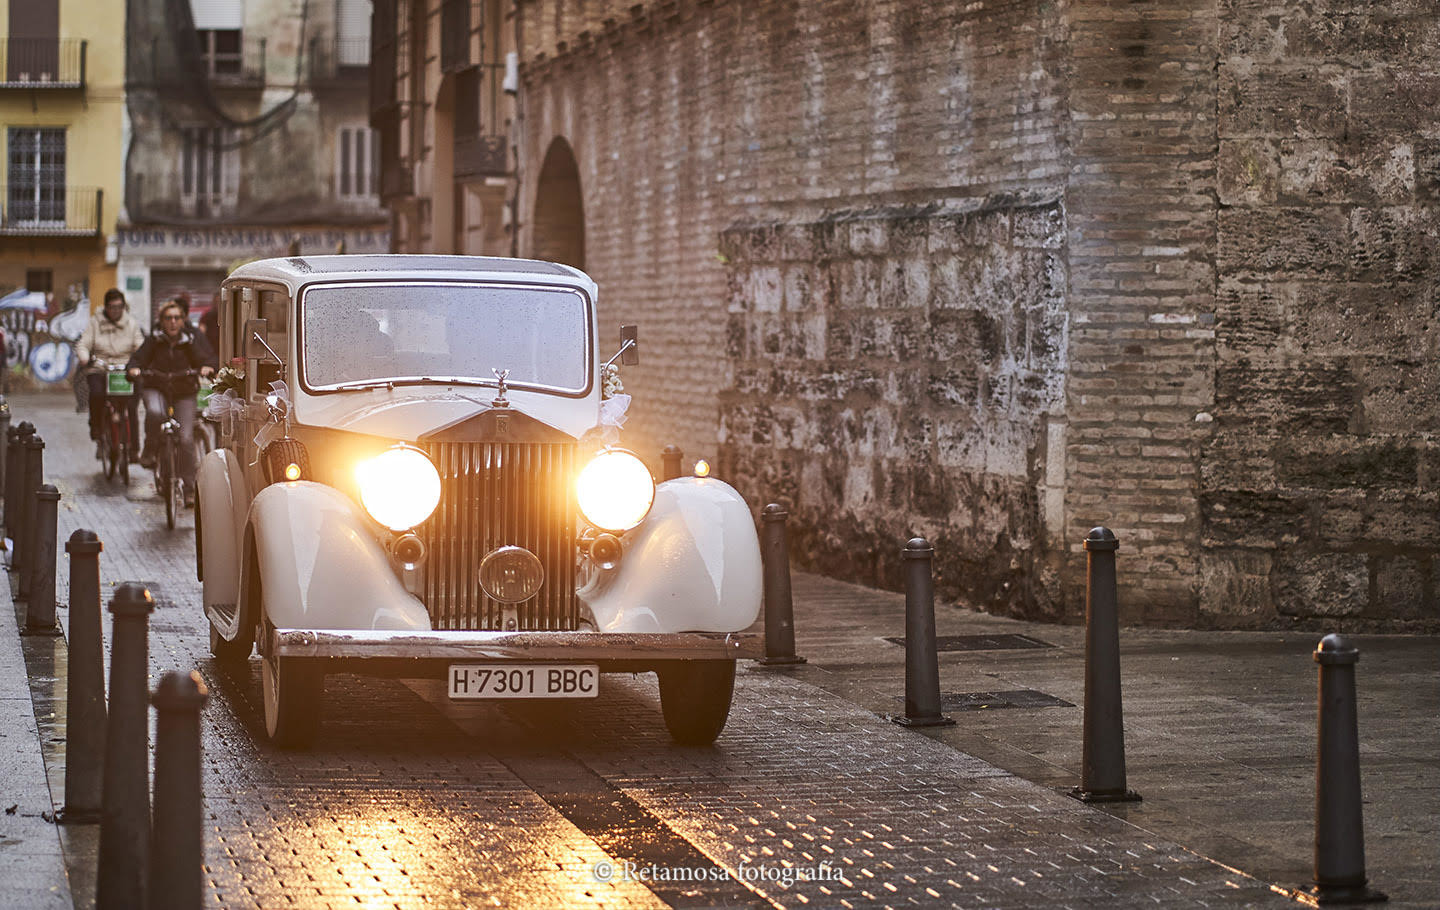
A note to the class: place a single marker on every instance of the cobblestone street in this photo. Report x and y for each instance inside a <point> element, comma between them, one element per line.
<point>409,800</point>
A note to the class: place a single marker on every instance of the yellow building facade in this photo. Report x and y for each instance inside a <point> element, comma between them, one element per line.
<point>62,123</point>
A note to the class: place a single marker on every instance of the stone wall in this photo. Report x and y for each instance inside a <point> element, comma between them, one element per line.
<point>1322,477</point>
<point>1000,272</point>
<point>894,374</point>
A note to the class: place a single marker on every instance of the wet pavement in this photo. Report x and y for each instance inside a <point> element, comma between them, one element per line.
<point>809,798</point>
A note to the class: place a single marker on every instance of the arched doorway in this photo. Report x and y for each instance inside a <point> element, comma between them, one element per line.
<point>558,229</point>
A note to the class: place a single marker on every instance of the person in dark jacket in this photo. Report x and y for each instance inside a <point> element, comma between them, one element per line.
<point>174,348</point>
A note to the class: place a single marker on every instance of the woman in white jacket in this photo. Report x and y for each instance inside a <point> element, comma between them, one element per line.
<point>112,336</point>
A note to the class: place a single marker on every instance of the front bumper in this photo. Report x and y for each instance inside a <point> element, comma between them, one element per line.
<point>520,646</point>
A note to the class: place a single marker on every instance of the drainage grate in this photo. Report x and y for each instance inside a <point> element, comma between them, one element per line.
<point>981,642</point>
<point>986,701</point>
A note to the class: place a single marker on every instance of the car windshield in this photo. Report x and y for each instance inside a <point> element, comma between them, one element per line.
<point>364,333</point>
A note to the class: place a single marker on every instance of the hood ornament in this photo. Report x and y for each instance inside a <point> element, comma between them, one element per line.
<point>500,401</point>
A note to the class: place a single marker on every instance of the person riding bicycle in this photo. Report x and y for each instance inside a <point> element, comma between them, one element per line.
<point>173,349</point>
<point>112,337</point>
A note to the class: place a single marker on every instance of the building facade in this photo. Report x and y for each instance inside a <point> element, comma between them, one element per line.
<point>62,74</point>
<point>249,137</point>
<point>997,273</point>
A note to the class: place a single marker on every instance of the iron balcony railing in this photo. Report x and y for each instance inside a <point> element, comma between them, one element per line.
<point>339,60</point>
<point>240,66</point>
<point>494,495</point>
<point>42,63</point>
<point>28,210</point>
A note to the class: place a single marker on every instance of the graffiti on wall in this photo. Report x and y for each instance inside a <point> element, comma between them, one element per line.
<point>38,342</point>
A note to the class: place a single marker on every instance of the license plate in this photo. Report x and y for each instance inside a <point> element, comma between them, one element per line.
<point>524,681</point>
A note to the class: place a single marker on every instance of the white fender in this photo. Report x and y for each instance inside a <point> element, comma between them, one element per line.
<point>693,565</point>
<point>223,504</point>
<point>320,566</point>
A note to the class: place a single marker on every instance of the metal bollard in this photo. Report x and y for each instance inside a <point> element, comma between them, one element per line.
<point>922,667</point>
<point>670,462</point>
<point>125,813</point>
<point>177,845</point>
<point>779,608</point>
<point>40,607</point>
<point>1339,823</point>
<point>4,437</point>
<point>30,485</point>
<point>1102,768</point>
<point>85,687</point>
<point>15,459</point>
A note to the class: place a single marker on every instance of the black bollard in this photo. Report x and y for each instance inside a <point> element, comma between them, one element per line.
<point>40,606</point>
<point>14,478</point>
<point>4,438</point>
<point>30,485</point>
<point>1102,768</point>
<point>1339,823</point>
<point>85,687</point>
<point>670,462</point>
<point>177,846</point>
<point>125,813</point>
<point>779,608</point>
<point>922,666</point>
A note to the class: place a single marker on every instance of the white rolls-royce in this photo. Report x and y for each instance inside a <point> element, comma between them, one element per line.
<point>419,476</point>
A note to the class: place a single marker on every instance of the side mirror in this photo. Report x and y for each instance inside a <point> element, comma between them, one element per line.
<point>629,344</point>
<point>256,340</point>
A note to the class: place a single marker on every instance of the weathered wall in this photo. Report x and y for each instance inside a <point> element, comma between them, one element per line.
<point>895,372</point>
<point>1322,478</point>
<point>1221,214</point>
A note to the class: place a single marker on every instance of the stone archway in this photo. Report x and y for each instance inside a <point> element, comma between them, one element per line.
<point>558,229</point>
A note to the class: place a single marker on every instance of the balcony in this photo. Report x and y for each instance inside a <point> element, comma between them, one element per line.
<point>42,63</point>
<point>69,211</point>
<point>480,140</point>
<point>339,62</point>
<point>225,60</point>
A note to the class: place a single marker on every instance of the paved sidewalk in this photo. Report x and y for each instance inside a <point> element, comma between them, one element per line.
<point>32,864</point>
<point>1220,732</point>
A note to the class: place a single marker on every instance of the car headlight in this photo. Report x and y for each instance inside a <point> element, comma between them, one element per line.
<point>399,487</point>
<point>615,490</point>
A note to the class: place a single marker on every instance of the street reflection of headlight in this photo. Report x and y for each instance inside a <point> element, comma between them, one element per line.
<point>615,490</point>
<point>399,487</point>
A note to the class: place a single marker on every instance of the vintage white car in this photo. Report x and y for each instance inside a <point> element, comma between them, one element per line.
<point>418,477</point>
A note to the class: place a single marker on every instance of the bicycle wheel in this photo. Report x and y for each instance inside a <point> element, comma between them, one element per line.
<point>124,460</point>
<point>107,454</point>
<point>166,463</point>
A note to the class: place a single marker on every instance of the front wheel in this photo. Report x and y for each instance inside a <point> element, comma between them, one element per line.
<point>695,699</point>
<point>291,689</point>
<point>231,651</point>
<point>108,458</point>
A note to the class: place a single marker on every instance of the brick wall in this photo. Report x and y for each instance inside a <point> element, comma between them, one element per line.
<point>1225,211</point>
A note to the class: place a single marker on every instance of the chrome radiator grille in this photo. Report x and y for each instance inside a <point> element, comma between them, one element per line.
<point>493,495</point>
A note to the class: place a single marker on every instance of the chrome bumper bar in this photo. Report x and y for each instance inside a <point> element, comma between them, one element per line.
<point>565,646</point>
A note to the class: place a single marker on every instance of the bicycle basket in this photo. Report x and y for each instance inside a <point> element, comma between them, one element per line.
<point>117,383</point>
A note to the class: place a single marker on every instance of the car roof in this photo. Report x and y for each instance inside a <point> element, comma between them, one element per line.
<point>297,270</point>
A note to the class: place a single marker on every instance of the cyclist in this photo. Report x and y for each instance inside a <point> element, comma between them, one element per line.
<point>112,336</point>
<point>173,348</point>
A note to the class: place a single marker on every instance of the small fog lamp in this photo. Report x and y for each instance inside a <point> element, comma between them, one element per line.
<point>292,471</point>
<point>702,468</point>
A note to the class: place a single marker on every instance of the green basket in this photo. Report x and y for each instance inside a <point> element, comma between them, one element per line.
<point>117,383</point>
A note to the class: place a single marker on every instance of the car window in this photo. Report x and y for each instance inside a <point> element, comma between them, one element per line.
<point>355,333</point>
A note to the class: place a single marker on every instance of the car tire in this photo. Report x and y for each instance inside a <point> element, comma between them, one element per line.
<point>695,699</point>
<point>231,651</point>
<point>290,688</point>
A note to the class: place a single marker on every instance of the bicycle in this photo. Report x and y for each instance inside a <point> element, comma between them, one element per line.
<point>167,454</point>
<point>114,447</point>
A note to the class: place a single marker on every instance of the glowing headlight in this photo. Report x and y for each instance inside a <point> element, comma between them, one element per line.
<point>615,490</point>
<point>399,487</point>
